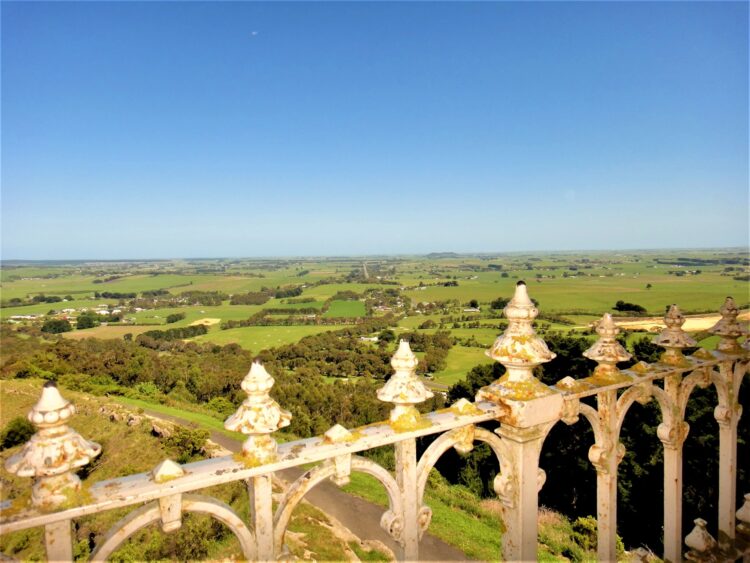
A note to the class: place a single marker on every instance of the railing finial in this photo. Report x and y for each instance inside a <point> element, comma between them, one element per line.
<point>258,416</point>
<point>702,543</point>
<point>673,339</point>
<point>728,329</point>
<point>607,351</point>
<point>404,389</point>
<point>743,517</point>
<point>51,455</point>
<point>520,350</point>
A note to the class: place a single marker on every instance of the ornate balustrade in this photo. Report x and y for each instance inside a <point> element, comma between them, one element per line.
<point>524,408</point>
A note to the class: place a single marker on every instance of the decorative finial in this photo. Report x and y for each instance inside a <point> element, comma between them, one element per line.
<point>673,339</point>
<point>258,416</point>
<point>51,455</point>
<point>167,470</point>
<point>520,350</point>
<point>728,329</point>
<point>743,517</point>
<point>607,351</point>
<point>700,541</point>
<point>404,389</point>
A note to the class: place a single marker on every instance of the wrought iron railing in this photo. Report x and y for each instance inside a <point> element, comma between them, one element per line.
<point>525,409</point>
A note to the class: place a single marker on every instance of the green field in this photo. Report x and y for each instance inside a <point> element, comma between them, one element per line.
<point>579,286</point>
<point>349,309</point>
<point>459,361</point>
<point>257,338</point>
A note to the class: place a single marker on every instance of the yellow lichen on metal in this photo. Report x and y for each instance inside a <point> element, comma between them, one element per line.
<point>408,421</point>
<point>607,352</point>
<point>728,329</point>
<point>464,407</point>
<point>54,452</point>
<point>520,350</point>
<point>404,389</point>
<point>258,416</point>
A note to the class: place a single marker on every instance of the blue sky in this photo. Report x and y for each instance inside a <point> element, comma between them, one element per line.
<point>147,130</point>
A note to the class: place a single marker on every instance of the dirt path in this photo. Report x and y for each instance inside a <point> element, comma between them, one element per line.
<point>360,516</point>
<point>693,323</point>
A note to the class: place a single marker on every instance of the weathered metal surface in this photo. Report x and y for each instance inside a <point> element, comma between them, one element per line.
<point>58,541</point>
<point>51,455</point>
<point>406,479</point>
<point>607,351</point>
<point>258,416</point>
<point>728,329</point>
<point>134,489</point>
<point>700,542</point>
<point>673,339</point>
<point>520,350</point>
<point>404,389</point>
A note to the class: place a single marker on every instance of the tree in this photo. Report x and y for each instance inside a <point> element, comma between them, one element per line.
<point>387,335</point>
<point>499,303</point>
<point>174,317</point>
<point>648,286</point>
<point>474,303</point>
<point>628,307</point>
<point>87,320</point>
<point>56,326</point>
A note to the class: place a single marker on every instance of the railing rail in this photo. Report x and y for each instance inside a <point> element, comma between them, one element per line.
<point>525,409</point>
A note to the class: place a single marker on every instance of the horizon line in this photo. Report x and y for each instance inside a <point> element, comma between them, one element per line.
<point>373,255</point>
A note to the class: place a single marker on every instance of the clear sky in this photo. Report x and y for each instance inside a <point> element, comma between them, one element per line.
<point>148,130</point>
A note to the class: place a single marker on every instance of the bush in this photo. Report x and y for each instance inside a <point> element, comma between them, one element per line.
<point>87,320</point>
<point>56,326</point>
<point>174,317</point>
<point>16,432</point>
<point>187,442</point>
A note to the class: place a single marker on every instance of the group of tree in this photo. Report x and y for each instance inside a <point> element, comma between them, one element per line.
<point>250,298</point>
<point>115,295</point>
<point>625,307</point>
<point>173,333</point>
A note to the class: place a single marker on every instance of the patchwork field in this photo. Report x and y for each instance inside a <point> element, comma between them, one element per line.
<point>439,290</point>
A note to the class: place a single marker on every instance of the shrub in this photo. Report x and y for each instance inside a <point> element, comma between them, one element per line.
<point>56,326</point>
<point>174,317</point>
<point>16,432</point>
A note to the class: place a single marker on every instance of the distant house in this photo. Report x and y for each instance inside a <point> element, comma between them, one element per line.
<point>471,310</point>
<point>368,338</point>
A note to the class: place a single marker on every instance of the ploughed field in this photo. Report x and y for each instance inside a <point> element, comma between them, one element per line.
<point>262,304</point>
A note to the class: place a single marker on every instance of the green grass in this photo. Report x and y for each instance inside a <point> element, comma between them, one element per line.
<point>203,420</point>
<point>345,309</point>
<point>257,338</point>
<point>459,361</point>
<point>457,518</point>
<point>367,555</point>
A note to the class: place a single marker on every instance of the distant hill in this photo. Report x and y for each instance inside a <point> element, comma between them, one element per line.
<point>441,255</point>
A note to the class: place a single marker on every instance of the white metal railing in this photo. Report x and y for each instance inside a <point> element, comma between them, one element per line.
<point>525,408</point>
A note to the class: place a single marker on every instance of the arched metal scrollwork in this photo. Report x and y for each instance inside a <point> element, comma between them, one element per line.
<point>390,520</point>
<point>151,513</point>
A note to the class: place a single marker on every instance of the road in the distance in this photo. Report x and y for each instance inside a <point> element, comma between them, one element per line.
<point>360,516</point>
